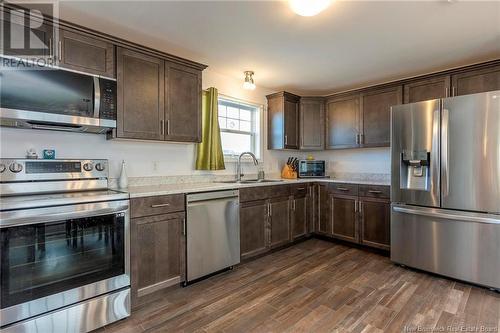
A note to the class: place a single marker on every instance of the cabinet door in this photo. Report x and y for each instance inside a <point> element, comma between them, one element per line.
<point>344,217</point>
<point>140,81</point>
<point>426,89</point>
<point>476,81</point>
<point>312,123</point>
<point>253,228</point>
<point>279,221</point>
<point>375,222</point>
<point>26,37</point>
<point>183,103</point>
<point>157,254</point>
<point>291,108</point>
<point>324,220</point>
<point>299,217</point>
<point>376,115</point>
<point>85,53</point>
<point>342,119</point>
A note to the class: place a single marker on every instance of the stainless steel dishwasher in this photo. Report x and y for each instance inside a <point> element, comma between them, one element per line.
<point>213,232</point>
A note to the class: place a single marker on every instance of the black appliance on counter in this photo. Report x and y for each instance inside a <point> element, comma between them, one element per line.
<point>312,169</point>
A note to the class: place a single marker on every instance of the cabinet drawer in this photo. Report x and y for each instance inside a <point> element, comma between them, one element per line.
<point>374,191</point>
<point>299,191</point>
<point>264,192</point>
<point>346,189</point>
<point>161,204</point>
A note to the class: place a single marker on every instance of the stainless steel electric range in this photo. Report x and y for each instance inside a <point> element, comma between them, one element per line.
<point>65,263</point>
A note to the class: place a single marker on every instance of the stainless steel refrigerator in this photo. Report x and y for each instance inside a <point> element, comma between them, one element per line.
<point>445,187</point>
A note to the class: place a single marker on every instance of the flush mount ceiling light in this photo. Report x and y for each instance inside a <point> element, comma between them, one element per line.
<point>248,84</point>
<point>309,7</point>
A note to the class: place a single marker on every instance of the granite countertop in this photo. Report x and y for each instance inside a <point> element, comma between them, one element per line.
<point>164,189</point>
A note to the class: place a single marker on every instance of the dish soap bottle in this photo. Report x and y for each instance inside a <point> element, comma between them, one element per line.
<point>123,180</point>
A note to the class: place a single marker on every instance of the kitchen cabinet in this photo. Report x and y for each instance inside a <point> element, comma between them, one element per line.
<point>301,211</point>
<point>342,121</point>
<point>15,43</point>
<point>156,99</point>
<point>157,245</point>
<point>183,103</point>
<point>85,53</point>
<point>426,89</point>
<point>279,222</point>
<point>375,220</point>
<point>312,123</point>
<point>253,228</point>
<point>140,95</point>
<point>375,121</point>
<point>344,217</point>
<point>324,222</point>
<point>283,121</point>
<point>476,81</point>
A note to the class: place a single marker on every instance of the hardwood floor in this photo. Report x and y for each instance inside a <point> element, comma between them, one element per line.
<point>318,286</point>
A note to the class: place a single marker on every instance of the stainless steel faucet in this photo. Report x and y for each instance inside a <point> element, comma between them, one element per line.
<point>238,168</point>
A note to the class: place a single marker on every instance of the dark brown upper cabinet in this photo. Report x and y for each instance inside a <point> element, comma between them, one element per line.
<point>312,123</point>
<point>40,41</point>
<point>182,103</point>
<point>85,53</point>
<point>283,121</point>
<point>140,96</point>
<point>476,81</point>
<point>342,121</point>
<point>426,89</point>
<point>376,115</point>
<point>157,99</point>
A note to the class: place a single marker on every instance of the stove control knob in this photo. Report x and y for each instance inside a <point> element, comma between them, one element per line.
<point>88,167</point>
<point>100,167</point>
<point>2,168</point>
<point>16,167</point>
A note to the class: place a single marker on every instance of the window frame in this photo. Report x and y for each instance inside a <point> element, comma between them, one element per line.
<point>257,126</point>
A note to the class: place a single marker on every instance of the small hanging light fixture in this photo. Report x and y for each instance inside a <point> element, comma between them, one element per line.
<point>249,84</point>
<point>309,7</point>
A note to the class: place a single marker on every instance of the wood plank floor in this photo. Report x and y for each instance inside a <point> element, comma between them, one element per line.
<point>318,286</point>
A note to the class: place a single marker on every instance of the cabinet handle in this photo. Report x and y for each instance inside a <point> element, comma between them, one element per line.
<point>286,139</point>
<point>374,191</point>
<point>356,206</point>
<point>168,126</point>
<point>360,209</point>
<point>59,53</point>
<point>342,189</point>
<point>51,51</point>
<point>160,205</point>
<point>357,139</point>
<point>162,127</point>
<point>361,138</point>
<point>184,227</point>
<point>446,92</point>
<point>293,205</point>
<point>270,210</point>
<point>453,91</point>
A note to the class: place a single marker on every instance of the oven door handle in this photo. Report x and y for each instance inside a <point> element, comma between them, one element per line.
<point>61,213</point>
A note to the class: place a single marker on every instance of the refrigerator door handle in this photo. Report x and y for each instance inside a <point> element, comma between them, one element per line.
<point>445,152</point>
<point>446,215</point>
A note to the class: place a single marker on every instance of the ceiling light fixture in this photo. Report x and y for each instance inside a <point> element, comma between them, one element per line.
<point>249,84</point>
<point>309,7</point>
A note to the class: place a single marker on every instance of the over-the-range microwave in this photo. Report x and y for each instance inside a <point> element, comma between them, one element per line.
<point>53,98</point>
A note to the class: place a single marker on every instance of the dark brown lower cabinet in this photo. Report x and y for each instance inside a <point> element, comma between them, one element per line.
<point>157,254</point>
<point>300,216</point>
<point>279,222</point>
<point>324,222</point>
<point>344,217</point>
<point>253,228</point>
<point>375,222</point>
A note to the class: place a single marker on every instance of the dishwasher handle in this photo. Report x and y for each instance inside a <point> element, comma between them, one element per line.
<point>216,195</point>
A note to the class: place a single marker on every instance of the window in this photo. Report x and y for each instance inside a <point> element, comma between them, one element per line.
<point>239,124</point>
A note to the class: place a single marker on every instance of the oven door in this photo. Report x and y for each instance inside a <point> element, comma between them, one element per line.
<point>56,256</point>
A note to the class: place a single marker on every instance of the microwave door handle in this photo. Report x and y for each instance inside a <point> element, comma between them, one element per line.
<point>97,97</point>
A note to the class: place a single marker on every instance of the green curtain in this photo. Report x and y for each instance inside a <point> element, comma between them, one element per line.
<point>209,152</point>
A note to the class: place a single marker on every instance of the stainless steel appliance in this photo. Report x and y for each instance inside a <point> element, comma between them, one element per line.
<point>312,169</point>
<point>213,232</point>
<point>64,255</point>
<point>445,187</point>
<point>55,99</point>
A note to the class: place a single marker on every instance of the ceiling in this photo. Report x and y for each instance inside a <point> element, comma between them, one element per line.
<point>351,44</point>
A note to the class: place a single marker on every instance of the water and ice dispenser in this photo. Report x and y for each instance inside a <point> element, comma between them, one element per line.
<point>415,170</point>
